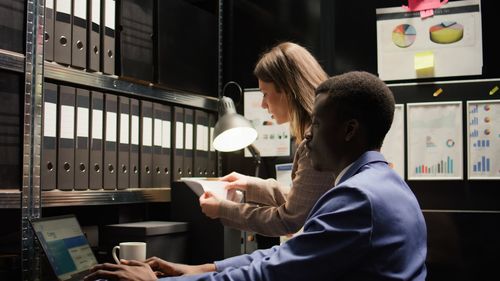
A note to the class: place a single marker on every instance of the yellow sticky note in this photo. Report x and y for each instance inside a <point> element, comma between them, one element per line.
<point>494,90</point>
<point>437,92</point>
<point>424,64</point>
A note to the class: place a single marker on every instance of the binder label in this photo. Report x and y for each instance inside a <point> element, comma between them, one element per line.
<point>67,122</point>
<point>64,6</point>
<point>147,122</point>
<point>80,8</point>
<point>97,124</point>
<point>124,128</point>
<point>49,4</point>
<point>82,122</point>
<point>135,130</point>
<point>201,137</point>
<point>96,11</point>
<point>165,140</point>
<point>189,136</point>
<point>212,139</point>
<point>179,135</point>
<point>110,14</point>
<point>111,126</point>
<point>50,119</point>
<point>158,132</point>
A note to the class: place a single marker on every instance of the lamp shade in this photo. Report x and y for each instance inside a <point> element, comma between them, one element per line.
<point>232,131</point>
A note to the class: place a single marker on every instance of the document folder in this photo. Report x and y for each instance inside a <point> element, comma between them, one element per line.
<point>109,37</point>
<point>157,141</point>
<point>96,140</point>
<point>82,140</point>
<point>212,154</point>
<point>94,29</point>
<point>48,47</point>
<point>188,141</point>
<point>146,154</point>
<point>123,143</point>
<point>62,31</point>
<point>134,144</point>
<point>178,137</point>
<point>79,24</point>
<point>161,154</point>
<point>66,141</point>
<point>201,151</point>
<point>111,107</point>
<point>48,162</point>
<point>166,147</point>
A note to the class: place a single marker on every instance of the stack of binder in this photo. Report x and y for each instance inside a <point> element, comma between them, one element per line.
<point>81,33</point>
<point>93,140</point>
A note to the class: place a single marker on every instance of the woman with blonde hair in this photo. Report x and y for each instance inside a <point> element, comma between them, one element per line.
<point>288,76</point>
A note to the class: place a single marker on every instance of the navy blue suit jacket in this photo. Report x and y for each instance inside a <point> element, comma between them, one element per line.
<point>368,227</point>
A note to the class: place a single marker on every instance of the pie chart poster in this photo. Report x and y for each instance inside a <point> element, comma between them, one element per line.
<point>453,36</point>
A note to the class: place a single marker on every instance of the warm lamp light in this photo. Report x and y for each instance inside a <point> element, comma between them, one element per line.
<point>232,131</point>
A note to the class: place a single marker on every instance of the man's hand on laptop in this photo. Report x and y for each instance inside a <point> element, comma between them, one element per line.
<point>149,270</point>
<point>133,270</point>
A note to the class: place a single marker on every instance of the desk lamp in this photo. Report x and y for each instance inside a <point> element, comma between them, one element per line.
<point>232,131</point>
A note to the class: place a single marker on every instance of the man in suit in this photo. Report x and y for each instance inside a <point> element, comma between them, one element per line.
<point>368,226</point>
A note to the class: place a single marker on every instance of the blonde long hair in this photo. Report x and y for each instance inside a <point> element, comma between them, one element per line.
<point>295,72</point>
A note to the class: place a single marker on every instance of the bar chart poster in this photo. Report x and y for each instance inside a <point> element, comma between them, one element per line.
<point>393,147</point>
<point>483,131</point>
<point>435,144</point>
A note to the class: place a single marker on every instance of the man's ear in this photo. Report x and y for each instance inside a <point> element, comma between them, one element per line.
<point>351,129</point>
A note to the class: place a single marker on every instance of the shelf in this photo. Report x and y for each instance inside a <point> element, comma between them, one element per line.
<point>53,71</point>
<point>11,61</point>
<point>113,83</point>
<point>10,199</point>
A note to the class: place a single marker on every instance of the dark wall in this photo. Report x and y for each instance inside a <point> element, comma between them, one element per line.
<point>186,34</point>
<point>252,27</point>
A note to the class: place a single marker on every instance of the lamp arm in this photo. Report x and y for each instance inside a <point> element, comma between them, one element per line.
<point>256,157</point>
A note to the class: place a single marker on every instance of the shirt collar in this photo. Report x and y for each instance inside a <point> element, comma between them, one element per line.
<point>341,174</point>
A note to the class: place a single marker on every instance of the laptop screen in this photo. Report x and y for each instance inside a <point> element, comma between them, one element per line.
<point>65,245</point>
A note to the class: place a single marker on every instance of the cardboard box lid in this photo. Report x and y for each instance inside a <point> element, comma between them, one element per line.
<point>147,228</point>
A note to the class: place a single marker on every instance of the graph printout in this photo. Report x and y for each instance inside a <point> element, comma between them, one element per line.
<point>393,147</point>
<point>451,41</point>
<point>273,139</point>
<point>435,142</point>
<point>483,131</point>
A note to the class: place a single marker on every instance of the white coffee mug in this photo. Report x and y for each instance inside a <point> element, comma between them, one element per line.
<point>130,251</point>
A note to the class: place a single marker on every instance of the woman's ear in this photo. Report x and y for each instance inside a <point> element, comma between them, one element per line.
<point>351,128</point>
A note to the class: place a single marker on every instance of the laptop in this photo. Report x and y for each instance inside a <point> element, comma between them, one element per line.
<point>65,246</point>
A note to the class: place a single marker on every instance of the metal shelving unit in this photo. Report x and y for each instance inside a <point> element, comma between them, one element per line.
<point>11,198</point>
<point>80,78</point>
<point>11,61</point>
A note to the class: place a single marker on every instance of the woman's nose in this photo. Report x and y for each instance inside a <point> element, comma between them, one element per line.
<point>263,104</point>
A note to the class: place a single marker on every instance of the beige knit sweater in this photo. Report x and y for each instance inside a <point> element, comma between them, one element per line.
<point>275,210</point>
